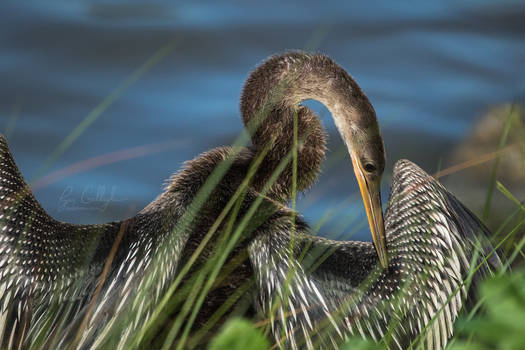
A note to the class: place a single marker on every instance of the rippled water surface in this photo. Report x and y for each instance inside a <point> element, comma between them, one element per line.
<point>431,71</point>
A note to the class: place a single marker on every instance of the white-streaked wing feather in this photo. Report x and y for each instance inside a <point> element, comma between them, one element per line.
<point>49,270</point>
<point>431,240</point>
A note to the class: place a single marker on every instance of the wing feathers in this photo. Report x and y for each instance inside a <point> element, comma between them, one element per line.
<point>431,239</point>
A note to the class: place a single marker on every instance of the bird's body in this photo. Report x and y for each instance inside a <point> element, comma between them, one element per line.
<point>63,284</point>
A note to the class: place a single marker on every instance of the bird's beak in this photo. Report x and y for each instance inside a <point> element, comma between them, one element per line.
<point>372,200</point>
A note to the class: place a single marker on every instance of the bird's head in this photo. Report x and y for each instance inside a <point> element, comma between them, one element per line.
<point>365,146</point>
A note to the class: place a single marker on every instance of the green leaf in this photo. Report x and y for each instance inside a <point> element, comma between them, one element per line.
<point>502,325</point>
<point>238,334</point>
<point>361,344</point>
<point>465,346</point>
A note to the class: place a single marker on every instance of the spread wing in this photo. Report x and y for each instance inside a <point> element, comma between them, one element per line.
<point>441,251</point>
<point>43,262</point>
<point>50,271</point>
<point>322,291</point>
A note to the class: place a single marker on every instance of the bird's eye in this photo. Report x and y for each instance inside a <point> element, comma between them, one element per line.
<point>369,167</point>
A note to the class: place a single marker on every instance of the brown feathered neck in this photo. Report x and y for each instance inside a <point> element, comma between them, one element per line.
<point>270,104</point>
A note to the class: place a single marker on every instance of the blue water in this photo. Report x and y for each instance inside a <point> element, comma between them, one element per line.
<point>431,71</point>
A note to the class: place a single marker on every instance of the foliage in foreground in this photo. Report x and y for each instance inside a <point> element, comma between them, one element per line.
<point>239,334</point>
<point>500,325</point>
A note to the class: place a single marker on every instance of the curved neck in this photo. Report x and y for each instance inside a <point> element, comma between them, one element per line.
<point>270,101</point>
<point>284,81</point>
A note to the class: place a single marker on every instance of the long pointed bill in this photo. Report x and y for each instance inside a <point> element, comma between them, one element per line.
<point>372,200</point>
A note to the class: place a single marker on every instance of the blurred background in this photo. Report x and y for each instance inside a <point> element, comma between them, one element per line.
<point>103,101</point>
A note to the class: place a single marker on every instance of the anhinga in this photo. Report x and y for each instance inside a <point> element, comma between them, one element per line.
<point>63,284</point>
